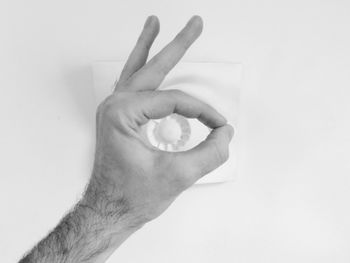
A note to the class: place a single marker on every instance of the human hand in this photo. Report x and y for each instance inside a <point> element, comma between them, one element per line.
<point>133,181</point>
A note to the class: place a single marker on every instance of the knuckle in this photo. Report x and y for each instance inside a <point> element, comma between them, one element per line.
<point>144,44</point>
<point>182,41</point>
<point>175,93</point>
<point>158,67</point>
<point>112,108</point>
<point>160,71</point>
<point>104,107</point>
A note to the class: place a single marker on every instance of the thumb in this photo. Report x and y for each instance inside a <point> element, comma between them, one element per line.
<point>209,154</point>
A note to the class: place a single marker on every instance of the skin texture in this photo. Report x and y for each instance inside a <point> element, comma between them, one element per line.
<point>133,182</point>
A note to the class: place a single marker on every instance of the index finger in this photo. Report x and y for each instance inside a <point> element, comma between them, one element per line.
<point>159,104</point>
<point>153,73</point>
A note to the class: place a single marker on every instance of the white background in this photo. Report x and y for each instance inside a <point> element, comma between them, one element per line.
<point>291,200</point>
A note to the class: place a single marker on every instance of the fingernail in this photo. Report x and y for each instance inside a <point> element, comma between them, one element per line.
<point>224,119</point>
<point>196,19</point>
<point>196,22</point>
<point>148,21</point>
<point>231,131</point>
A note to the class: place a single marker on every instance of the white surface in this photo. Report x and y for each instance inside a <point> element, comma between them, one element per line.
<point>216,83</point>
<point>291,200</point>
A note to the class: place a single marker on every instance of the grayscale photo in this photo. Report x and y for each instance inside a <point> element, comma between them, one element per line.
<point>175,131</point>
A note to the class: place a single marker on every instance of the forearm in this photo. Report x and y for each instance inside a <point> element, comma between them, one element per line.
<point>89,233</point>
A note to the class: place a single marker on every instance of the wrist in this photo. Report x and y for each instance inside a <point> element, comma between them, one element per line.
<point>109,205</point>
<point>105,232</point>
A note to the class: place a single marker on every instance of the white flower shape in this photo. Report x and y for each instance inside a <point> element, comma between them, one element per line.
<point>170,133</point>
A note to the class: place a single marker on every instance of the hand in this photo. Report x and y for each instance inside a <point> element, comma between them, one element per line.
<point>133,181</point>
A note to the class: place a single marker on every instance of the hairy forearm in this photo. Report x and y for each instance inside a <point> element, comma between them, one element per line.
<point>89,233</point>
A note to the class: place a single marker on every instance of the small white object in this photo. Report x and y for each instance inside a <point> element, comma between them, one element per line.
<point>169,131</point>
<point>217,84</point>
